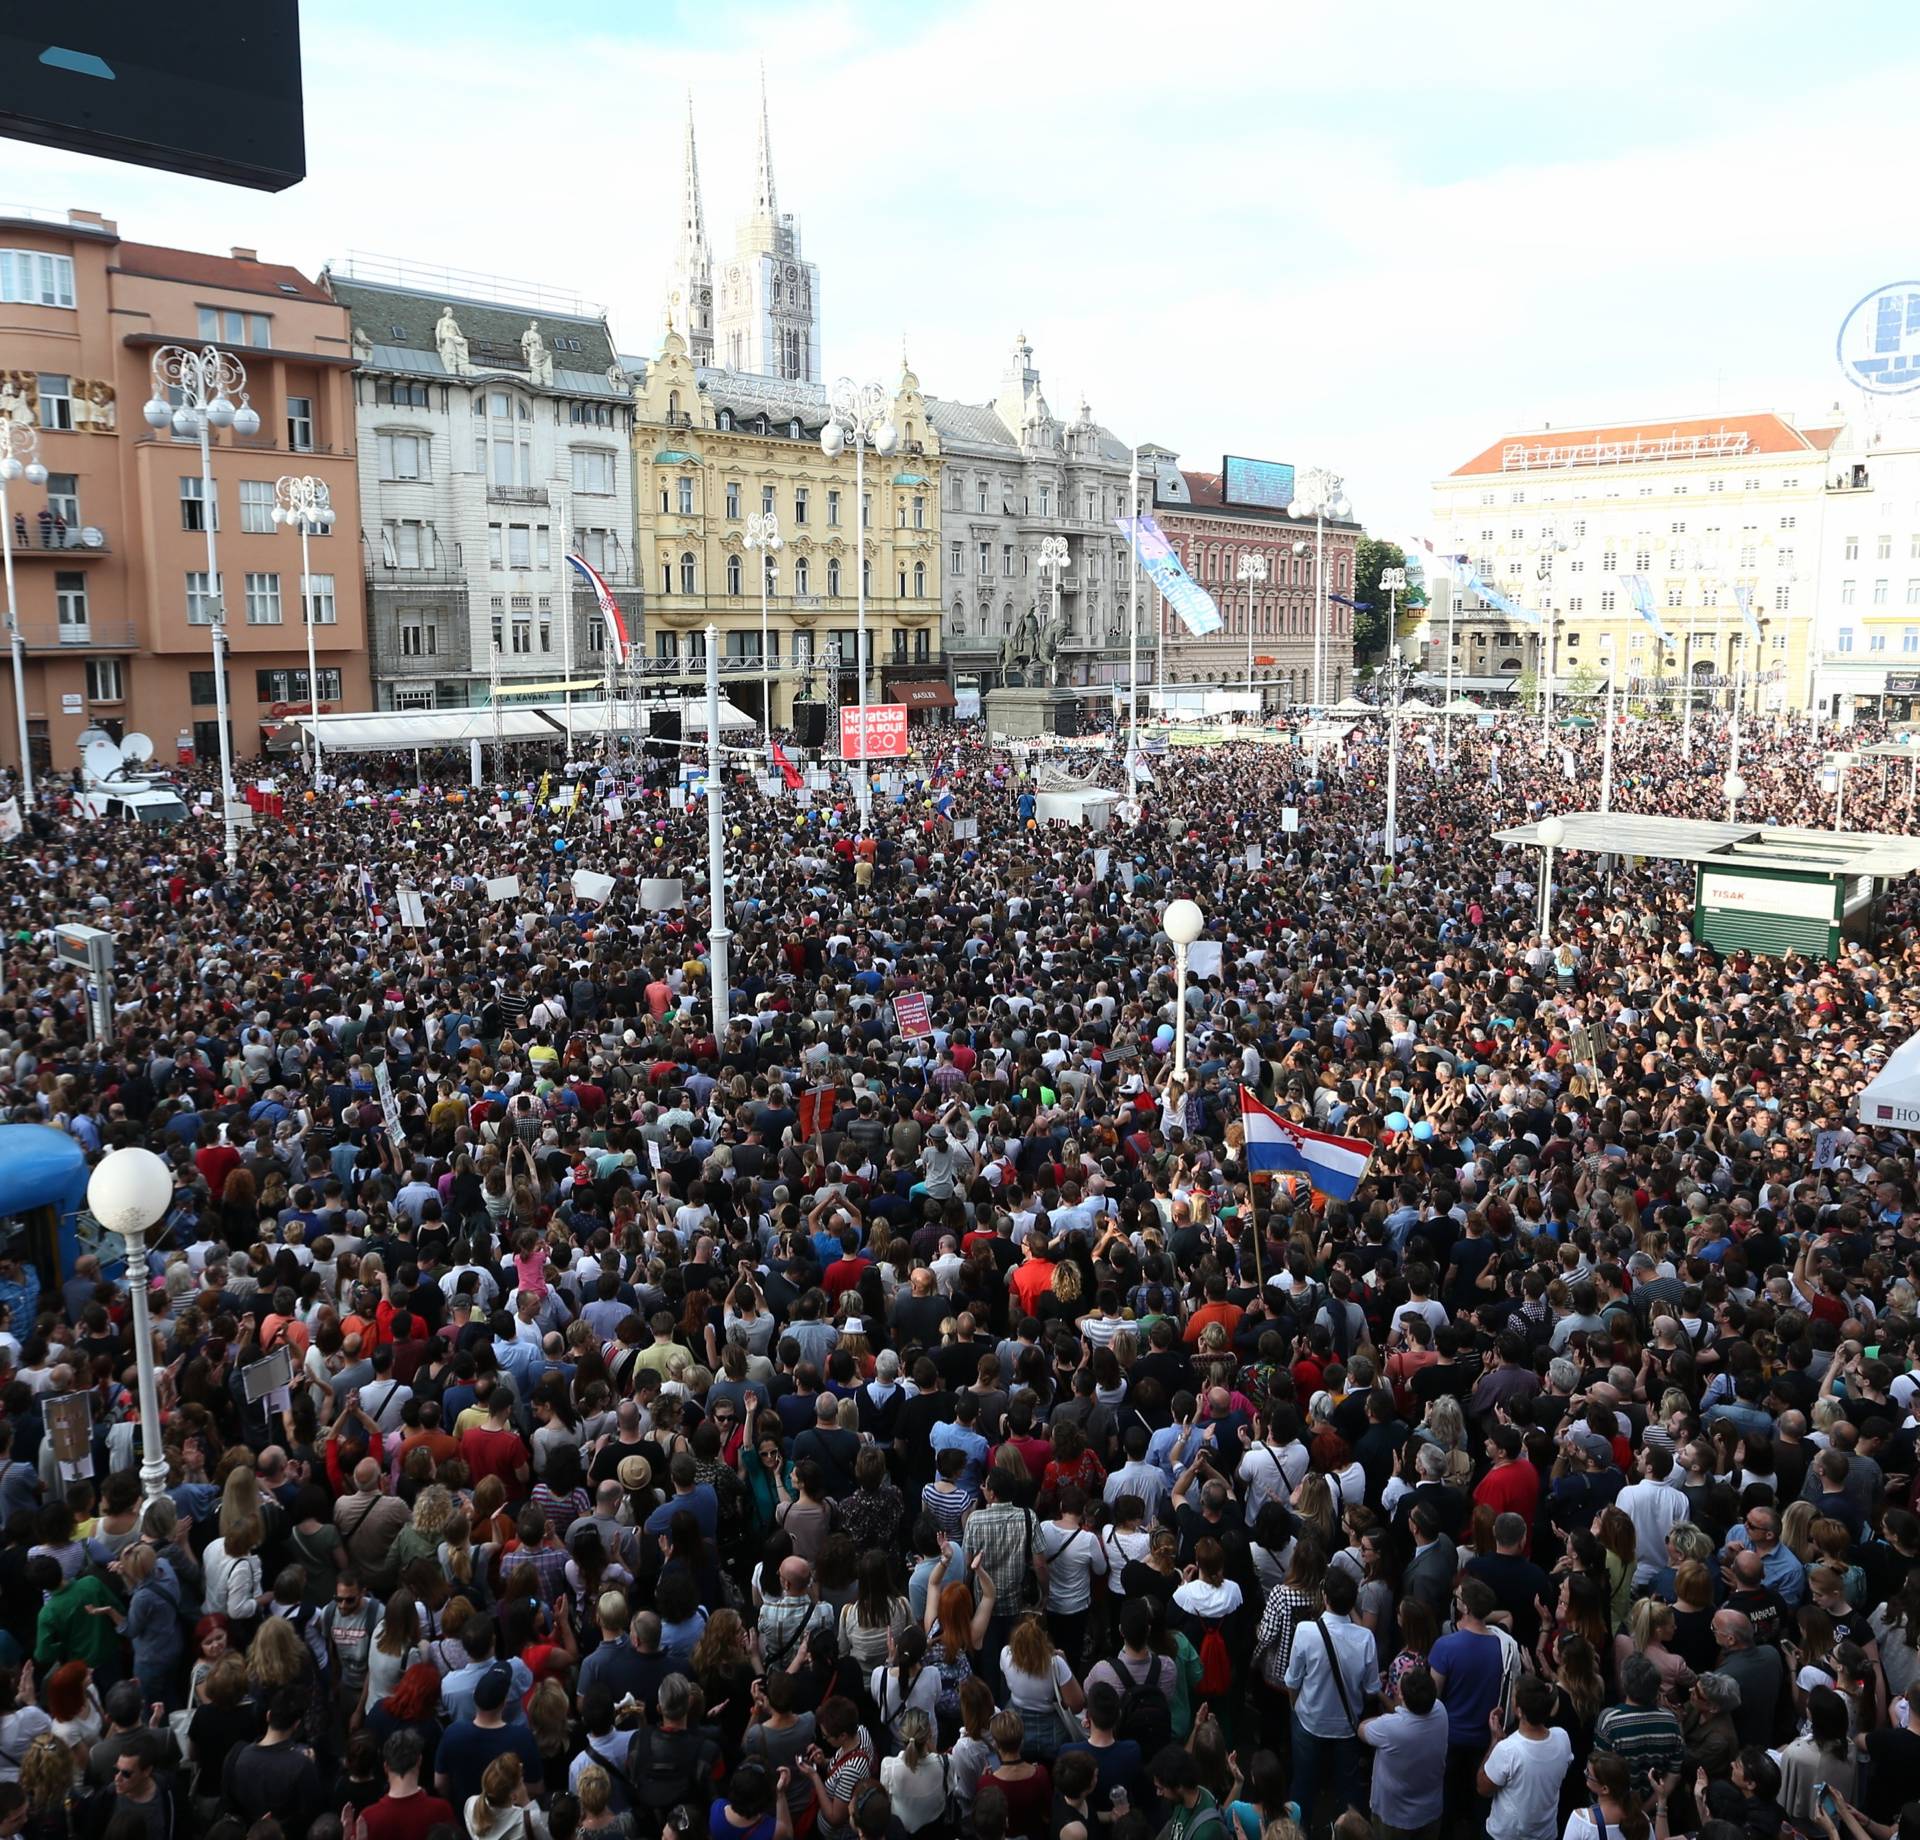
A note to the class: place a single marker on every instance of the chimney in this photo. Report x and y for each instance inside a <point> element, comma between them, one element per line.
<point>92,220</point>
<point>245,255</point>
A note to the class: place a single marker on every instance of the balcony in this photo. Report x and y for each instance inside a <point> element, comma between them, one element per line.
<point>679,418</point>
<point>516,495</point>
<point>33,538</point>
<point>107,635</point>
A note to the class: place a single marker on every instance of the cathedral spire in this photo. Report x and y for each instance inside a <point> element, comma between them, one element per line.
<point>763,199</point>
<point>690,292</point>
<point>693,216</point>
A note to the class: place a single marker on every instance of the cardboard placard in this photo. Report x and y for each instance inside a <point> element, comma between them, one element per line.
<point>1256,857</point>
<point>271,1374</point>
<point>389,1105</point>
<point>910,1013</point>
<point>412,905</point>
<point>503,887</point>
<point>1102,862</point>
<point>883,737</point>
<point>591,885</point>
<point>677,797</point>
<point>69,1422</point>
<point>964,828</point>
<point>1290,818</point>
<point>659,893</point>
<point>1203,958</point>
<point>769,784</point>
<point>653,1153</point>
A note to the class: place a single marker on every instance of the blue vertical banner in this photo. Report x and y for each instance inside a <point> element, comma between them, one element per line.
<point>1183,594</point>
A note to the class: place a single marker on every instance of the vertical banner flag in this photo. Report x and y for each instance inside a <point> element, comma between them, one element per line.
<point>1470,583</point>
<point>371,900</point>
<point>1566,762</point>
<point>10,822</point>
<point>788,771</point>
<point>1183,594</point>
<point>609,610</point>
<point>1641,592</point>
<point>1743,599</point>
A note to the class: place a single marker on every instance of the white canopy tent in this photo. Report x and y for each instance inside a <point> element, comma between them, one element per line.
<point>1892,1096</point>
<point>400,730</point>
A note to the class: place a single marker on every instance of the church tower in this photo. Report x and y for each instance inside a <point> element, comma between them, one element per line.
<point>768,321</point>
<point>690,283</point>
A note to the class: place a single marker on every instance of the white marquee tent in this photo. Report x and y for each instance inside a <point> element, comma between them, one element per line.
<point>1892,1096</point>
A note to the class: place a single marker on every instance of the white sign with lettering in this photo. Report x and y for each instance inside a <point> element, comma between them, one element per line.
<point>1758,894</point>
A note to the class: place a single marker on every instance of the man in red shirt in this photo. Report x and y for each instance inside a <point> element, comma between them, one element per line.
<point>845,1273</point>
<point>496,1449</point>
<point>215,1163</point>
<point>1512,1486</point>
<point>1215,1309</point>
<point>406,1811</point>
<point>1033,1279</point>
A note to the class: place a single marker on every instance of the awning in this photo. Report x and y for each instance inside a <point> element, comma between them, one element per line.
<point>911,479</point>
<point>560,687</point>
<point>672,456</point>
<point>394,730</point>
<point>922,696</point>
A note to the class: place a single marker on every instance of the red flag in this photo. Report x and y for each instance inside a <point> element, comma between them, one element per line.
<point>815,1111</point>
<point>791,774</point>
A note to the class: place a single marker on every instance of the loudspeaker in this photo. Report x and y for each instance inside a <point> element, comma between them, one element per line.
<point>810,724</point>
<point>664,722</point>
<point>1066,718</point>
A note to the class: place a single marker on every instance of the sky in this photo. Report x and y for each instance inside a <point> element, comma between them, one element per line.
<point>1372,236</point>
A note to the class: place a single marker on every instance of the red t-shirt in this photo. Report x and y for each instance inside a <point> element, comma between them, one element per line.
<point>1512,1488</point>
<point>413,1817</point>
<point>1031,1282</point>
<point>494,1453</point>
<point>216,1162</point>
<point>841,1276</point>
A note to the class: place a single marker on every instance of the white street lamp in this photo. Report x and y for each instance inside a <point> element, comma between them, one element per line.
<point>1735,788</point>
<point>1833,778</point>
<point>1181,921</point>
<point>303,503</point>
<point>761,541</point>
<point>1606,739</point>
<point>1252,575</point>
<point>719,937</point>
<point>208,380</point>
<point>19,459</point>
<point>1055,558</point>
<point>1393,679</point>
<point>129,1192</point>
<point>1320,495</point>
<point>859,414</point>
<point>1551,545</point>
<point>1550,833</point>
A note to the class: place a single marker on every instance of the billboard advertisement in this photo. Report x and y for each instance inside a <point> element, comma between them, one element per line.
<point>1266,483</point>
<point>885,735</point>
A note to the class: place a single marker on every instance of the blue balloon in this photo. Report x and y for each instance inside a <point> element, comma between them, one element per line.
<point>1423,1131</point>
<point>1396,1121</point>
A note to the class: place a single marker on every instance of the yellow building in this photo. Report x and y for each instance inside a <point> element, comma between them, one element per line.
<point>715,448</point>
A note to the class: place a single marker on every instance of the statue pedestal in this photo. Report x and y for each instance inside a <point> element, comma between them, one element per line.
<point>1029,712</point>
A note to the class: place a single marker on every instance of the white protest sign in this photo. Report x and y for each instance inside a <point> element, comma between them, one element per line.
<point>503,887</point>
<point>591,885</point>
<point>769,784</point>
<point>965,827</point>
<point>677,797</point>
<point>389,1105</point>
<point>10,825</point>
<point>413,907</point>
<point>820,780</point>
<point>1203,958</point>
<point>658,893</point>
<point>616,810</point>
<point>1256,857</point>
<point>1102,859</point>
<point>1290,818</point>
<point>653,1153</point>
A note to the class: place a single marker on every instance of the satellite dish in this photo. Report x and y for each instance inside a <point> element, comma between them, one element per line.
<point>136,749</point>
<point>101,759</point>
<point>94,537</point>
<point>91,734</point>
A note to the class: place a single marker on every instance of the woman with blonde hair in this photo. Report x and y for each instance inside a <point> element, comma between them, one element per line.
<point>278,1658</point>
<point>916,1776</point>
<point>1313,1507</point>
<point>1796,1531</point>
<point>549,1711</point>
<point>1649,1630</point>
<point>396,1646</point>
<point>502,1811</point>
<point>595,1790</point>
<point>234,1587</point>
<point>421,1537</point>
<point>46,1774</point>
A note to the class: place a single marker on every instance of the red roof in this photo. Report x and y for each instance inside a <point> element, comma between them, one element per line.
<point>1204,488</point>
<point>1703,437</point>
<point>201,270</point>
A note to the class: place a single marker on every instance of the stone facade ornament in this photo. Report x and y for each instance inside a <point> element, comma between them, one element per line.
<point>453,345</point>
<point>539,359</point>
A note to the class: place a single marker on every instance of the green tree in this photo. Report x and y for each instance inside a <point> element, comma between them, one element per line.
<point>1370,635</point>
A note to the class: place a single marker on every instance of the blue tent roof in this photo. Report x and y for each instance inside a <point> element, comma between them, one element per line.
<point>39,1167</point>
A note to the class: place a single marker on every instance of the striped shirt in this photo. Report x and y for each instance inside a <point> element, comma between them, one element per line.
<point>1646,1737</point>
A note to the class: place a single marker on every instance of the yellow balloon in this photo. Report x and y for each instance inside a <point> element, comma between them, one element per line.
<point>659,843</point>
<point>736,830</point>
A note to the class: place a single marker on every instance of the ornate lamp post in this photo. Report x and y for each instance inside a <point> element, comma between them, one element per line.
<point>208,381</point>
<point>130,1190</point>
<point>1055,558</point>
<point>1551,832</point>
<point>1252,575</point>
<point>761,541</point>
<point>1394,679</point>
<point>1320,495</point>
<point>303,503</point>
<point>19,459</point>
<point>859,414</point>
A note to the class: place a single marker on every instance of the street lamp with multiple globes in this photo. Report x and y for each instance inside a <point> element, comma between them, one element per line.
<point>1393,680</point>
<point>1320,495</point>
<point>129,1192</point>
<point>1252,575</point>
<point>860,413</point>
<point>1054,559</point>
<point>19,459</point>
<point>1550,833</point>
<point>761,541</point>
<point>207,381</point>
<point>1181,921</point>
<point>303,503</point>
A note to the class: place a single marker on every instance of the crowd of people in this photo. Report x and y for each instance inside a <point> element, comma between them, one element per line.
<point>811,1428</point>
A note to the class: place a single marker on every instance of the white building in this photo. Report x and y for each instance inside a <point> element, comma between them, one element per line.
<point>495,435</point>
<point>1869,570</point>
<point>759,312</point>
<point>1706,508</point>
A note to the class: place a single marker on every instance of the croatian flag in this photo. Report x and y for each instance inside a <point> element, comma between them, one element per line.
<point>1334,1165</point>
<point>618,640</point>
<point>374,911</point>
<point>943,803</point>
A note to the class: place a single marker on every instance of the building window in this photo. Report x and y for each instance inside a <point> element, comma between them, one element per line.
<point>919,580</point>
<point>592,470</point>
<point>1843,639</point>
<point>1782,598</point>
<point>833,577</point>
<point>256,507</point>
<point>56,401</point>
<point>419,640</point>
<point>919,511</point>
<point>193,503</point>
<point>200,689</point>
<point>319,598</point>
<point>733,574</point>
<point>232,327</point>
<point>1880,592</point>
<point>724,422</point>
<point>1046,501</point>
<point>799,504</point>
<point>63,498</point>
<point>686,572</point>
<point>666,645</point>
<point>766,501</point>
<point>104,681</point>
<point>866,576</point>
<point>403,456</point>
<point>922,646</point>
<point>1788,522</point>
<point>1910,639</point>
<point>401,393</point>
<point>1006,559</point>
<point>406,543</point>
<point>986,558</point>
<point>70,600</point>
<point>956,559</point>
<point>32,278</point>
<point>684,487</point>
<point>263,598</point>
<point>522,635</point>
<point>1883,550</point>
<point>1846,594</point>
<point>202,600</point>
<point>590,415</point>
<point>1876,642</point>
<point>833,508</point>
<point>733,498</point>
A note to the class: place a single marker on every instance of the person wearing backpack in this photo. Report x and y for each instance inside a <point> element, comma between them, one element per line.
<point>668,1763</point>
<point>1196,1815</point>
<point>1332,1670</point>
<point>1143,1680</point>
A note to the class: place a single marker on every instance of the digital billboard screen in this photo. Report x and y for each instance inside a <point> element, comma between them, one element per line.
<point>1266,483</point>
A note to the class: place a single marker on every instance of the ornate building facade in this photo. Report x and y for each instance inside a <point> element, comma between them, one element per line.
<point>758,312</point>
<point>714,448</point>
<point>1014,476</point>
<point>1267,642</point>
